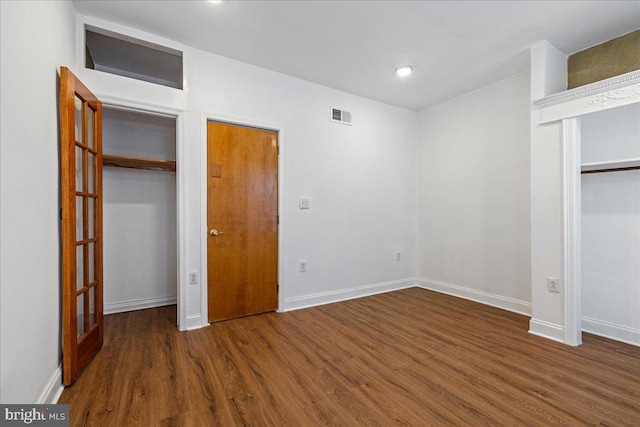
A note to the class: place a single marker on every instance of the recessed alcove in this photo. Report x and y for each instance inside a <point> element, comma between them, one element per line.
<point>126,56</point>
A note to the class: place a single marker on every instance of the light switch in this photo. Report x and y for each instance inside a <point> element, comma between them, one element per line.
<point>304,203</point>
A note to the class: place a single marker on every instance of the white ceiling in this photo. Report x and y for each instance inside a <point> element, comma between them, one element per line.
<point>354,46</point>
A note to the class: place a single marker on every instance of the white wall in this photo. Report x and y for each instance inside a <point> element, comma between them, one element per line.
<point>611,226</point>
<point>360,179</point>
<point>139,216</point>
<point>473,221</point>
<point>548,76</point>
<point>36,38</point>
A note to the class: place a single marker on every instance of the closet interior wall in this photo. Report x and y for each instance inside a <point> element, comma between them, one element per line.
<point>140,259</point>
<point>611,225</point>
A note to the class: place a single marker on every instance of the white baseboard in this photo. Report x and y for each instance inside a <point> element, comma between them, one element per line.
<point>505,303</point>
<point>546,330</point>
<point>53,389</point>
<point>611,330</point>
<point>194,321</point>
<point>139,304</point>
<point>322,298</point>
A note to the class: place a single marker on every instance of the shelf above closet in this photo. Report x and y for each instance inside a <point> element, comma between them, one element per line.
<point>136,163</point>
<point>611,166</point>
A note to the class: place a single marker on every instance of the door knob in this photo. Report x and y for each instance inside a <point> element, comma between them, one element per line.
<point>215,232</point>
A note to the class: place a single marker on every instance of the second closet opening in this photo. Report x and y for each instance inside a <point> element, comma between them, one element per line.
<point>139,210</point>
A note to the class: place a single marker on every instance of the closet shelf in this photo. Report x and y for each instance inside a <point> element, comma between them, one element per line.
<point>611,166</point>
<point>136,163</point>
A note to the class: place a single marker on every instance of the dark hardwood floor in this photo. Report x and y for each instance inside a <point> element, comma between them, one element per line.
<point>411,357</point>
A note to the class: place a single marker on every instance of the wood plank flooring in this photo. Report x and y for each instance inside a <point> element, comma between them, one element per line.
<point>411,357</point>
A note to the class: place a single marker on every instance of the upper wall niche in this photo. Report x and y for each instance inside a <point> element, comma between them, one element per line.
<point>609,59</point>
<point>129,57</point>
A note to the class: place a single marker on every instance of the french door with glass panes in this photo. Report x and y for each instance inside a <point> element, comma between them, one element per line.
<point>81,230</point>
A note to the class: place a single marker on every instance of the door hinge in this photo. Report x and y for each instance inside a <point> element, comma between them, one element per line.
<point>278,150</point>
<point>277,288</point>
<point>278,219</point>
<point>60,214</point>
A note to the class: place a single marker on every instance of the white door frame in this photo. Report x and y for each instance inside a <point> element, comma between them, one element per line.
<point>205,117</point>
<point>572,190</point>
<point>181,234</point>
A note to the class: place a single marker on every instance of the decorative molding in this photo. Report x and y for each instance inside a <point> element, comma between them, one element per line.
<point>53,389</point>
<point>625,91</point>
<point>499,301</point>
<point>596,88</point>
<point>330,297</point>
<point>612,95</point>
<point>139,304</point>
<point>546,330</point>
<point>611,330</point>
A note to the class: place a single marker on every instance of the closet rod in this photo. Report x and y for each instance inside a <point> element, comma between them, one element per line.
<point>630,168</point>
<point>137,163</point>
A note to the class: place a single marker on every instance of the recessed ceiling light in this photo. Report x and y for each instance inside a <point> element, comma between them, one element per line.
<point>214,1</point>
<point>404,70</point>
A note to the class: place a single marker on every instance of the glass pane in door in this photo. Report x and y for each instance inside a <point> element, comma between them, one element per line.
<point>91,261</point>
<point>77,102</point>
<point>90,118</point>
<point>92,306</point>
<point>79,218</point>
<point>91,172</point>
<point>80,314</point>
<point>79,267</point>
<point>91,217</point>
<point>79,169</point>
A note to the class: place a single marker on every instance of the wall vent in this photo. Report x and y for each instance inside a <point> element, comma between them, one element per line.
<point>340,116</point>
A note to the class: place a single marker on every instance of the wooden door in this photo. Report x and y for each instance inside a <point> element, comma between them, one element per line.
<point>242,218</point>
<point>81,201</point>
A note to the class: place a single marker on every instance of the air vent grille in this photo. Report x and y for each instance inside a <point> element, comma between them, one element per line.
<point>340,116</point>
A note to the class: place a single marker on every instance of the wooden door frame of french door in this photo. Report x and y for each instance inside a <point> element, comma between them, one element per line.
<point>117,103</point>
<point>206,117</point>
<point>79,349</point>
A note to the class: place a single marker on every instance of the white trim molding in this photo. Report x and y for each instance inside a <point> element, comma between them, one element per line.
<point>572,241</point>
<point>546,330</point>
<point>139,304</point>
<point>603,95</point>
<point>611,330</point>
<point>53,389</point>
<point>194,321</point>
<point>312,300</point>
<point>499,301</point>
<point>609,84</point>
<point>132,104</point>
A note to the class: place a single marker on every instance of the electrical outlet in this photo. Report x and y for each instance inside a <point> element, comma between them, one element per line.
<point>193,277</point>
<point>303,266</point>
<point>397,256</point>
<point>553,284</point>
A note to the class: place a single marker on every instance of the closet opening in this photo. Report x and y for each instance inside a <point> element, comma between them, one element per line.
<point>610,223</point>
<point>139,210</point>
